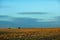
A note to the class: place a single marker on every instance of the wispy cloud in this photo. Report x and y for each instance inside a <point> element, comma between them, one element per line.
<point>4,16</point>
<point>57,18</point>
<point>32,22</point>
<point>32,13</point>
<point>29,23</point>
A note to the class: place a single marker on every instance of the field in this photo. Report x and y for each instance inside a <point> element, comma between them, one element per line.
<point>30,34</point>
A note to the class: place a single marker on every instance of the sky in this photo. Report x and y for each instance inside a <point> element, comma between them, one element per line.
<point>29,13</point>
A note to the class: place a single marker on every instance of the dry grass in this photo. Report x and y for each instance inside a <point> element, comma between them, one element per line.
<point>30,34</point>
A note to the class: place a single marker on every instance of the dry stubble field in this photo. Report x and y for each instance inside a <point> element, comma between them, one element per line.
<point>30,34</point>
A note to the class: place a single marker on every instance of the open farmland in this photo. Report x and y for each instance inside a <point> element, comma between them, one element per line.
<point>30,34</point>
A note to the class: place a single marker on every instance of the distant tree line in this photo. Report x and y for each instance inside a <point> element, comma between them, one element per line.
<point>18,28</point>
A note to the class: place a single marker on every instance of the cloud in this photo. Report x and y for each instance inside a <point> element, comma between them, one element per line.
<point>7,24</point>
<point>33,23</point>
<point>28,23</point>
<point>57,18</point>
<point>4,16</point>
<point>33,13</point>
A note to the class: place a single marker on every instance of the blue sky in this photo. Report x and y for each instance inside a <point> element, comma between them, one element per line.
<point>45,11</point>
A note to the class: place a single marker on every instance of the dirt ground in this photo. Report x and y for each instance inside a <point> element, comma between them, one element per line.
<point>30,34</point>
